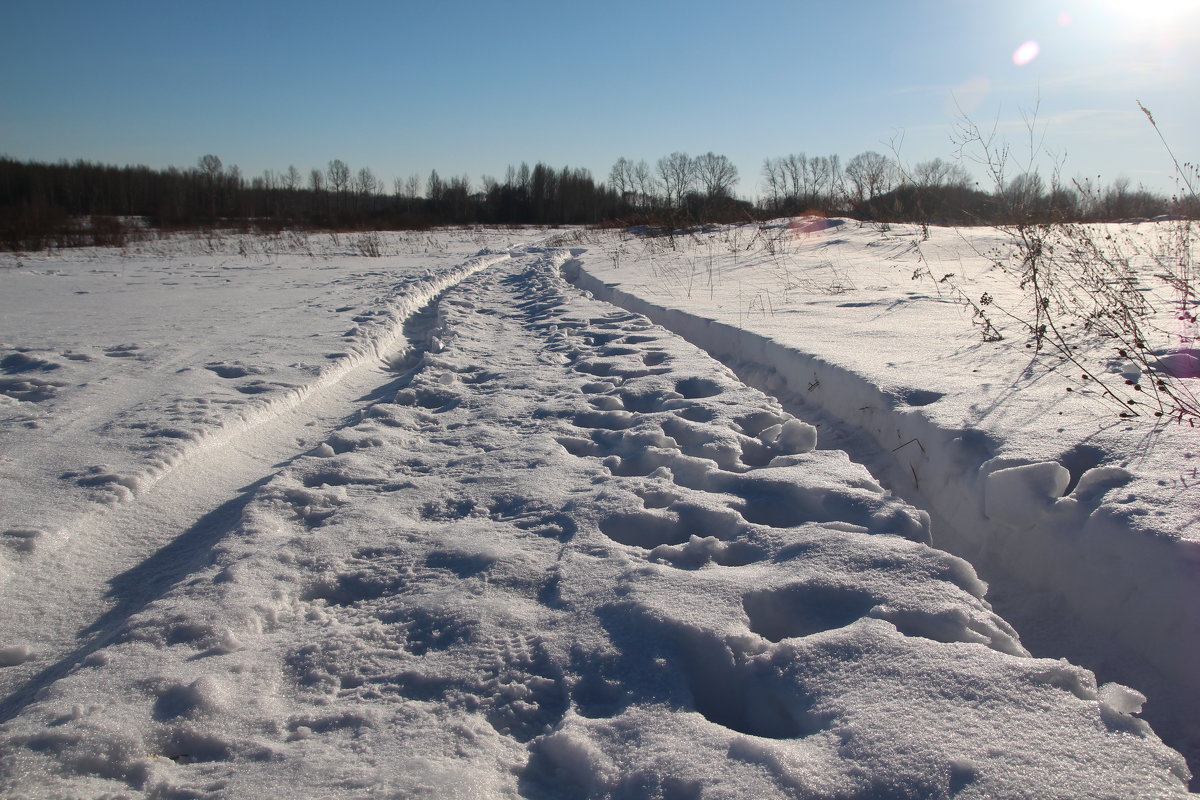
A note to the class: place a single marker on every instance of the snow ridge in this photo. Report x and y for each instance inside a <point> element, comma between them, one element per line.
<point>1020,524</point>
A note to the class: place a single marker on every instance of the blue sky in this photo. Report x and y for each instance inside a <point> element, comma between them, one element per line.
<point>470,87</point>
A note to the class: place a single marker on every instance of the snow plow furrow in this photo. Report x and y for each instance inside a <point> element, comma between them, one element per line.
<point>980,502</point>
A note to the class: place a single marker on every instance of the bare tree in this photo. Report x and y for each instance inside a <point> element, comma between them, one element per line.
<point>1024,196</point>
<point>407,190</point>
<point>435,189</point>
<point>716,174</point>
<point>776,186</point>
<point>837,179</point>
<point>456,196</point>
<point>937,173</point>
<point>677,173</point>
<point>825,175</point>
<point>365,186</point>
<point>620,177</point>
<point>338,174</point>
<point>794,181</point>
<point>643,183</point>
<point>632,182</point>
<point>870,174</point>
<point>291,178</point>
<point>316,180</point>
<point>799,179</point>
<point>365,182</point>
<point>210,167</point>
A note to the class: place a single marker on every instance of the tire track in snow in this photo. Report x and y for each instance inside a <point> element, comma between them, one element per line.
<point>414,294</point>
<point>128,554</point>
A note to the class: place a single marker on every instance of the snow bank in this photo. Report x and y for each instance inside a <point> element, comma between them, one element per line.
<point>1065,549</point>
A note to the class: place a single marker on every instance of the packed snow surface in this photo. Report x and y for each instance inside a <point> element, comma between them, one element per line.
<point>282,520</point>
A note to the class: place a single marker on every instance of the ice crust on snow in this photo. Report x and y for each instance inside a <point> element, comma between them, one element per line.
<point>560,552</point>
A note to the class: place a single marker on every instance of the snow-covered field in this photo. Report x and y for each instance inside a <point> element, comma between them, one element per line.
<point>570,514</point>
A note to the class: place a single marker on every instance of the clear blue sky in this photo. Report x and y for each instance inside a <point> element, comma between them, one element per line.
<point>470,87</point>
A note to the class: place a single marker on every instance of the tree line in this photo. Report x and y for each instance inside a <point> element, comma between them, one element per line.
<point>64,204</point>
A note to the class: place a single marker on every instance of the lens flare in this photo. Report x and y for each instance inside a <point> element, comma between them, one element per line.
<point>811,223</point>
<point>1026,53</point>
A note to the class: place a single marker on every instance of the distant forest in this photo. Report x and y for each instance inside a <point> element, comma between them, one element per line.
<point>72,204</point>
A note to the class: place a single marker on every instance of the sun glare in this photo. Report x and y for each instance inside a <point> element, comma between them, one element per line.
<point>1127,37</point>
<point>1168,17</point>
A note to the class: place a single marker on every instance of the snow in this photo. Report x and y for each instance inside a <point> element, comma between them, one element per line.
<point>1106,575</point>
<point>442,524</point>
<point>1021,497</point>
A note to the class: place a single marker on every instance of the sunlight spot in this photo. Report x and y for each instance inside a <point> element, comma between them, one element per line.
<point>1026,53</point>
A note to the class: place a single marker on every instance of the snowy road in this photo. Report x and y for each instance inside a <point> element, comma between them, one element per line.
<point>527,544</point>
